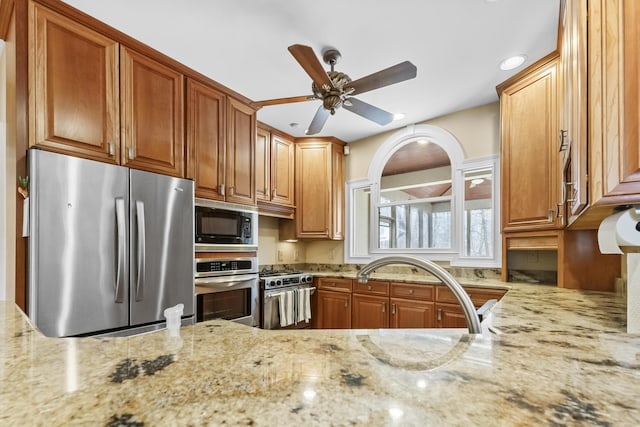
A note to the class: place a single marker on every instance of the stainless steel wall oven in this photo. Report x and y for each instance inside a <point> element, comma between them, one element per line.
<point>227,288</point>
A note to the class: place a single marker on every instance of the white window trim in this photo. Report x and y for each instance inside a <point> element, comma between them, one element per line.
<point>459,165</point>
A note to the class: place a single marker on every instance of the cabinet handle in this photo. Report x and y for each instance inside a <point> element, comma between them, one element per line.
<point>232,191</point>
<point>559,210</point>
<point>563,136</point>
<point>275,193</point>
<point>439,314</point>
<point>112,149</point>
<point>369,287</point>
<point>384,307</point>
<point>132,153</point>
<point>550,215</point>
<point>346,303</point>
<point>393,309</point>
<point>222,189</point>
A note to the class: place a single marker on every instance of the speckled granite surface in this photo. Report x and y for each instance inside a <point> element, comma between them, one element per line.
<point>547,356</point>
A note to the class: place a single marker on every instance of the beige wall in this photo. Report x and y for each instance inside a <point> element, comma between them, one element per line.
<point>477,129</point>
<point>271,251</point>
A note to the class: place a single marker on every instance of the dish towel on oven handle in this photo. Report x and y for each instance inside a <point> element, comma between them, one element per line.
<point>303,312</point>
<point>287,301</point>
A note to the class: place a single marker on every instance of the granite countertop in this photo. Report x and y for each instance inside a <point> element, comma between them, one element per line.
<point>547,356</point>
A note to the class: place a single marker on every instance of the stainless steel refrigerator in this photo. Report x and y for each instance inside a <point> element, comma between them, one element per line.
<point>109,248</point>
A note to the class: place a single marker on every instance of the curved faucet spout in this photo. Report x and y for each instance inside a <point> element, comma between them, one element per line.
<point>470,315</point>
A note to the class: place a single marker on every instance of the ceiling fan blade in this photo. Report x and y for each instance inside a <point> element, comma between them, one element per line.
<point>318,121</point>
<point>395,74</point>
<point>309,61</point>
<point>368,111</point>
<point>259,104</point>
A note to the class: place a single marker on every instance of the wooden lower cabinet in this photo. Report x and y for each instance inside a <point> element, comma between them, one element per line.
<point>334,310</point>
<point>411,314</point>
<point>450,316</point>
<point>344,303</point>
<point>370,312</point>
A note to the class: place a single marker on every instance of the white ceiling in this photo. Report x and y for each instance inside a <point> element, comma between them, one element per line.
<point>456,46</point>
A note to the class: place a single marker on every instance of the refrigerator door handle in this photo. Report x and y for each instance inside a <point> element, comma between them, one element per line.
<point>121,241</point>
<point>141,250</point>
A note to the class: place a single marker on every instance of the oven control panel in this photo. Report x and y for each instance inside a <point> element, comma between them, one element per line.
<point>287,280</point>
<point>224,267</point>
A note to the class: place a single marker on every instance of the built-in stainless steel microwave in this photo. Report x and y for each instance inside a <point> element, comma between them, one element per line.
<point>227,227</point>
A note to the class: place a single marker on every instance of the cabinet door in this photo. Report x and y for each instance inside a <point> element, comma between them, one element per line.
<point>614,111</point>
<point>370,312</point>
<point>152,115</point>
<point>75,99</point>
<point>205,139</point>
<point>450,316</point>
<point>337,186</point>
<point>531,184</point>
<point>282,161</point>
<point>334,310</point>
<point>313,190</point>
<point>263,164</point>
<point>412,314</point>
<point>573,102</point>
<point>240,163</point>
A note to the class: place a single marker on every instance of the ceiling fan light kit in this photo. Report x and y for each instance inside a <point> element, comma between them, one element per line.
<point>336,89</point>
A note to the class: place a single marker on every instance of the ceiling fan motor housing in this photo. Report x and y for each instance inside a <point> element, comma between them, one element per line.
<point>332,97</point>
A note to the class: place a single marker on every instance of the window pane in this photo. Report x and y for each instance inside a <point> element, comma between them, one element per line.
<point>478,213</point>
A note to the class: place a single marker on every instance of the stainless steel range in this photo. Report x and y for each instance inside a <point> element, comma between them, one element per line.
<point>285,299</point>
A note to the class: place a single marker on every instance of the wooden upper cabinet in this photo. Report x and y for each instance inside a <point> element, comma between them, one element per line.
<point>573,141</point>
<point>74,73</point>
<point>240,182</point>
<point>205,122</point>
<point>274,173</point>
<point>263,164</point>
<point>614,72</point>
<point>152,99</point>
<point>282,170</point>
<point>531,197</point>
<point>319,189</point>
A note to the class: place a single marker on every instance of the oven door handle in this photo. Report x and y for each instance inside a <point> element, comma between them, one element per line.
<point>226,282</point>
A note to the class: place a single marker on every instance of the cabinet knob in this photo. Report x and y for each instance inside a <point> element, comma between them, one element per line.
<point>369,287</point>
<point>410,291</point>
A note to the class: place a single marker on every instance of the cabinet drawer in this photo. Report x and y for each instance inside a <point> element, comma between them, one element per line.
<point>412,291</point>
<point>373,287</point>
<point>334,284</point>
<point>478,295</point>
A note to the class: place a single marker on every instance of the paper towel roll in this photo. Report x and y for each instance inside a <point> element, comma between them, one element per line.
<point>618,230</point>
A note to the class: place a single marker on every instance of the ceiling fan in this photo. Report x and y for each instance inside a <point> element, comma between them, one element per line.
<point>336,89</point>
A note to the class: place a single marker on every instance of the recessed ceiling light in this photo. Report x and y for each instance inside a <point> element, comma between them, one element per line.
<point>513,62</point>
<point>398,116</point>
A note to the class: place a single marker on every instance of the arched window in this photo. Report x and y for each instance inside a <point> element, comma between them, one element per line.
<point>423,198</point>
